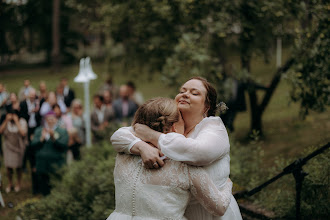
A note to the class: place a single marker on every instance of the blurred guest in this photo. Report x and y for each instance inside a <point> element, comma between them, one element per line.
<point>124,107</point>
<point>50,142</point>
<point>14,130</point>
<point>62,120</point>
<point>77,134</point>
<point>100,118</point>
<point>24,91</point>
<point>29,109</point>
<point>3,99</point>
<point>12,103</point>
<point>67,92</point>
<point>51,100</point>
<point>107,97</point>
<point>42,93</point>
<point>110,86</point>
<point>134,95</point>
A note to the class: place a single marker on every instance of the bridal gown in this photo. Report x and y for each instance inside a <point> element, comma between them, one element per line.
<point>207,146</point>
<point>148,194</point>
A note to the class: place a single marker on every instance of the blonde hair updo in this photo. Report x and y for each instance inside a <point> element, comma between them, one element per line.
<point>158,113</point>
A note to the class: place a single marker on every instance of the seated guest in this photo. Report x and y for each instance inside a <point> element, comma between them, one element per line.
<point>100,118</point>
<point>14,130</point>
<point>50,143</point>
<point>124,107</point>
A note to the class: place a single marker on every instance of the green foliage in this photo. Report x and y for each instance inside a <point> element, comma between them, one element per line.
<point>86,190</point>
<point>310,78</point>
<point>247,170</point>
<point>30,27</point>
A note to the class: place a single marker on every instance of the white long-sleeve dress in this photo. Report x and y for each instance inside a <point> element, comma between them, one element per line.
<point>150,194</point>
<point>207,146</point>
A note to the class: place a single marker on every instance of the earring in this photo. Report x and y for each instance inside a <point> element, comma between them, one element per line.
<point>204,115</point>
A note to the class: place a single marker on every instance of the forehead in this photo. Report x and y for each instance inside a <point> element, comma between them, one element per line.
<point>194,84</point>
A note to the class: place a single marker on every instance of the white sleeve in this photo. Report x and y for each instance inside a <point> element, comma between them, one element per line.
<point>209,145</point>
<point>203,189</point>
<point>123,139</point>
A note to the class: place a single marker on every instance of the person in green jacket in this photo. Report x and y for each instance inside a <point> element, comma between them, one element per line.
<point>50,143</point>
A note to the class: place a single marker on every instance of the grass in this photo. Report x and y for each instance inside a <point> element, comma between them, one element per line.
<point>286,135</point>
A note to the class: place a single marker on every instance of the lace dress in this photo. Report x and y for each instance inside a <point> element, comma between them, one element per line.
<point>148,194</point>
<point>207,146</point>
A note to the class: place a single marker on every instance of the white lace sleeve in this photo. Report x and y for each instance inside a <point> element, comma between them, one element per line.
<point>210,144</point>
<point>203,189</point>
<point>123,140</point>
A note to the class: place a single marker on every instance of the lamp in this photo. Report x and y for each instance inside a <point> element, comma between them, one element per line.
<point>86,74</point>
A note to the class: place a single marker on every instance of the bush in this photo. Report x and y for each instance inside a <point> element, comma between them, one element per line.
<point>247,170</point>
<point>86,190</point>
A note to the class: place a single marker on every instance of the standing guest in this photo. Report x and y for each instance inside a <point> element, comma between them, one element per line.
<point>42,93</point>
<point>100,118</point>
<point>124,107</point>
<point>67,92</point>
<point>51,100</point>
<point>24,91</point>
<point>29,109</point>
<point>110,86</point>
<point>50,142</point>
<point>62,120</point>
<point>107,98</point>
<point>14,130</point>
<point>13,103</point>
<point>30,112</point>
<point>3,99</point>
<point>77,134</point>
<point>134,95</point>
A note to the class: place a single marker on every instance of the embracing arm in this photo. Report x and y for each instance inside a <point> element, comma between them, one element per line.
<point>210,144</point>
<point>203,189</point>
<point>123,140</point>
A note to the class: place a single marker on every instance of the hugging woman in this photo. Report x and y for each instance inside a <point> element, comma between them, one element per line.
<point>204,143</point>
<point>164,193</point>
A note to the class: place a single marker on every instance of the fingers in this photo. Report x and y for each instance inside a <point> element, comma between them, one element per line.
<point>159,162</point>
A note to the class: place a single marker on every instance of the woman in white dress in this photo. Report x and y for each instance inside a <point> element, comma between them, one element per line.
<point>163,193</point>
<point>204,143</point>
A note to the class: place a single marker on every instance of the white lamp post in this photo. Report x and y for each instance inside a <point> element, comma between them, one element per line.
<point>84,76</point>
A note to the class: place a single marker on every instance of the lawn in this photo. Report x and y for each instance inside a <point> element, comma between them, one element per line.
<point>286,134</point>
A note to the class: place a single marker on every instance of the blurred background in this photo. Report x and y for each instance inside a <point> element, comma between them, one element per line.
<point>268,59</point>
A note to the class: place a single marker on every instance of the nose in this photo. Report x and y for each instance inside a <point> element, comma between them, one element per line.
<point>185,94</point>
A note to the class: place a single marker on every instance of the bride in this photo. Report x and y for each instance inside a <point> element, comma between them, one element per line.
<point>204,143</point>
<point>163,193</point>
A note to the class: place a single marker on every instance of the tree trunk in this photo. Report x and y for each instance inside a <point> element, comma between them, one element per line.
<point>56,36</point>
<point>256,114</point>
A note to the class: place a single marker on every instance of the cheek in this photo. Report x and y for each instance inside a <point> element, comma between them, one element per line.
<point>177,97</point>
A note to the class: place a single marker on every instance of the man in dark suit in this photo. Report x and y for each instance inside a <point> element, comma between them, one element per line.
<point>124,107</point>
<point>67,92</point>
<point>29,110</point>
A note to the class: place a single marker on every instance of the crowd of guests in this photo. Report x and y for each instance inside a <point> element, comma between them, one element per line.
<point>46,129</point>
